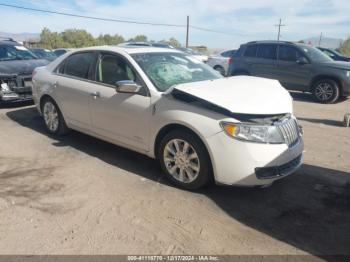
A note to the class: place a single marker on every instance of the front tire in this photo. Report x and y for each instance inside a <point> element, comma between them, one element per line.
<point>54,121</point>
<point>184,160</point>
<point>326,91</point>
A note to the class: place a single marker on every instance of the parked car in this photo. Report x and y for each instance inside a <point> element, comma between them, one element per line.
<point>221,61</point>
<point>169,106</point>
<point>16,66</point>
<point>44,53</point>
<point>198,55</point>
<point>335,55</point>
<point>61,51</point>
<point>154,44</point>
<point>297,66</point>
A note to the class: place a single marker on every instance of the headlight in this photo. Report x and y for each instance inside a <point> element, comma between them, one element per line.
<point>253,133</point>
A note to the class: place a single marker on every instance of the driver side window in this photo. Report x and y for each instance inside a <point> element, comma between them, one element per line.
<point>289,54</point>
<point>111,69</point>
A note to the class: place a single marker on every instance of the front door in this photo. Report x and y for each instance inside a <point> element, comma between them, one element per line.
<point>291,74</point>
<point>122,117</point>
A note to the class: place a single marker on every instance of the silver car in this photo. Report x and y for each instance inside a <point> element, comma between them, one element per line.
<point>168,105</point>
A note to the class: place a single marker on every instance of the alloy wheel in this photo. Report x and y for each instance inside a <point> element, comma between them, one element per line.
<point>324,91</point>
<point>181,160</point>
<point>51,116</point>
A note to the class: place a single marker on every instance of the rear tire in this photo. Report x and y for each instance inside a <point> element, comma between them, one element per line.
<point>220,69</point>
<point>53,118</point>
<point>326,91</point>
<point>241,73</point>
<point>184,160</point>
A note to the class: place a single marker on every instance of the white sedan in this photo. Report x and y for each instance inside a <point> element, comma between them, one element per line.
<point>167,105</point>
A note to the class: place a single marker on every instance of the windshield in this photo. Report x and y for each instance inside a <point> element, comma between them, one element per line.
<point>189,51</point>
<point>336,52</point>
<point>15,52</point>
<point>316,55</point>
<point>43,53</point>
<point>168,69</point>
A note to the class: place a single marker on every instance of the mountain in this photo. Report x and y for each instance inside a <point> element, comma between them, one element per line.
<point>20,36</point>
<point>326,42</point>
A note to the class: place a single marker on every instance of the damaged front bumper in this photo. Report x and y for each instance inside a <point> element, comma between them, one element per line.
<point>14,88</point>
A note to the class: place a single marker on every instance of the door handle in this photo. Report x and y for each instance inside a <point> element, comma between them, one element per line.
<point>95,94</point>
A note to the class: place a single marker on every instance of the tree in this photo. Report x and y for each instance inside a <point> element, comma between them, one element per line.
<point>80,38</point>
<point>345,47</point>
<point>139,38</point>
<point>51,40</point>
<point>109,40</point>
<point>174,42</point>
<point>77,38</point>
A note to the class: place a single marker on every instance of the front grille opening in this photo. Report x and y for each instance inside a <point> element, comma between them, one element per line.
<point>277,171</point>
<point>290,131</point>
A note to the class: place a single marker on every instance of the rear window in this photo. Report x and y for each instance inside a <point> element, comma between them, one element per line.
<point>250,51</point>
<point>78,65</point>
<point>227,53</point>
<point>267,51</point>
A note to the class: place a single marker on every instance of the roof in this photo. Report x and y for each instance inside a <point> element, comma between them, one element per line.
<point>8,42</point>
<point>131,49</point>
<point>276,42</point>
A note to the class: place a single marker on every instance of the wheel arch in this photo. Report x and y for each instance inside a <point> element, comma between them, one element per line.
<point>48,96</point>
<point>218,66</point>
<point>177,126</point>
<point>43,98</point>
<point>317,78</point>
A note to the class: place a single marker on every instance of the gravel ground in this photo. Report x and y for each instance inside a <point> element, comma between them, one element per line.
<point>79,195</point>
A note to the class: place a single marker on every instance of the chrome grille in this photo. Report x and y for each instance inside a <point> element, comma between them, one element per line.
<point>290,131</point>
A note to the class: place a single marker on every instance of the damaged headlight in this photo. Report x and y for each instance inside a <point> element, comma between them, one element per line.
<point>5,88</point>
<point>253,133</point>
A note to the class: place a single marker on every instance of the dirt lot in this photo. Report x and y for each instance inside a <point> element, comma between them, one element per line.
<point>79,195</point>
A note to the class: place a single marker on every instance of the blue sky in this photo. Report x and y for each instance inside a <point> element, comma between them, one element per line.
<point>245,20</point>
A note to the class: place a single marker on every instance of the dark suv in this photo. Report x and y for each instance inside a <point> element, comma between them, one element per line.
<point>296,66</point>
<point>16,66</point>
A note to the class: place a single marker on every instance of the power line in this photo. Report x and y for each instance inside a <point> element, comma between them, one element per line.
<point>211,30</point>
<point>115,20</point>
<point>91,17</point>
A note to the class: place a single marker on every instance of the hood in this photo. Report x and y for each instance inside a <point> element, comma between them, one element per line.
<point>338,65</point>
<point>20,67</point>
<point>242,94</point>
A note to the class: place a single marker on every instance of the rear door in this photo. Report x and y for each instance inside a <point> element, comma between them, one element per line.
<point>74,87</point>
<point>246,61</point>
<point>264,65</point>
<point>291,74</point>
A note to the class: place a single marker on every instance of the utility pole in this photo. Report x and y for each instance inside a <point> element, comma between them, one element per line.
<point>187,30</point>
<point>320,41</point>
<point>279,29</point>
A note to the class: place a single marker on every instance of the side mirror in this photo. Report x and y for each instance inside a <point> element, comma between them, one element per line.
<point>127,86</point>
<point>302,61</point>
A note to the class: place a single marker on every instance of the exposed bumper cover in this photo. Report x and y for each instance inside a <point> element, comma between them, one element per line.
<point>236,162</point>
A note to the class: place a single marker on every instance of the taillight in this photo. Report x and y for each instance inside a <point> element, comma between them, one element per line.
<point>230,60</point>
